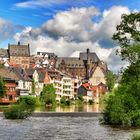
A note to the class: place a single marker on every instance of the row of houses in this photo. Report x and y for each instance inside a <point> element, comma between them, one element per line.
<point>68,74</point>
<point>21,82</point>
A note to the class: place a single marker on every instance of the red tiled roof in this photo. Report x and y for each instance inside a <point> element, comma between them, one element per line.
<point>94,88</point>
<point>86,85</point>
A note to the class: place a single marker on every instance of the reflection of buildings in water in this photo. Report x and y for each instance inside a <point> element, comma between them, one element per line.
<point>75,108</point>
<point>96,108</point>
<point>65,109</point>
<point>91,108</point>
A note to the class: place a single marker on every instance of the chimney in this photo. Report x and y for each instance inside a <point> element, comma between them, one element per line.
<point>88,50</point>
<point>18,43</point>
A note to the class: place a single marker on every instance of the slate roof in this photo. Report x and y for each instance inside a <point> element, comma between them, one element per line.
<point>8,73</point>
<point>19,50</point>
<point>21,74</point>
<point>41,73</point>
<point>93,56</point>
<point>71,62</point>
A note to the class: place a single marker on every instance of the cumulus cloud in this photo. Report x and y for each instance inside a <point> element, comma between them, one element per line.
<point>7,30</point>
<point>114,61</point>
<point>73,31</point>
<point>107,26</point>
<point>74,24</point>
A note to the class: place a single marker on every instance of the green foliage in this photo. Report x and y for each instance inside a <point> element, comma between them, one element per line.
<point>29,101</point>
<point>22,110</point>
<point>48,95</point>
<point>90,102</point>
<point>110,80</point>
<point>2,88</point>
<point>123,106</point>
<point>80,97</point>
<point>135,137</point>
<point>65,101</point>
<point>128,34</point>
<point>33,86</point>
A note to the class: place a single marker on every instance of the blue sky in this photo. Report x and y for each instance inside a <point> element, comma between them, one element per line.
<point>35,15</point>
<point>65,26</point>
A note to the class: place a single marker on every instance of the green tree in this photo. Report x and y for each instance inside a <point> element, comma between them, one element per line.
<point>48,95</point>
<point>123,106</point>
<point>128,37</point>
<point>2,88</point>
<point>110,80</point>
<point>33,85</point>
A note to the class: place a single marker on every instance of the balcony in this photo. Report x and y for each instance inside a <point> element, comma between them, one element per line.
<point>58,93</point>
<point>57,81</point>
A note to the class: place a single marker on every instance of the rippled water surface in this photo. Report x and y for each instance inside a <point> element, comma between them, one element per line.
<point>60,128</point>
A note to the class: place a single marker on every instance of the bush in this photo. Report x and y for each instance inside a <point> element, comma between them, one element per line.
<point>90,102</point>
<point>121,109</point>
<point>28,101</point>
<point>135,137</point>
<point>22,110</point>
<point>64,101</point>
<point>17,112</point>
<point>80,97</point>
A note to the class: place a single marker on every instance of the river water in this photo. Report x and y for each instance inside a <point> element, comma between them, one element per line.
<point>61,128</point>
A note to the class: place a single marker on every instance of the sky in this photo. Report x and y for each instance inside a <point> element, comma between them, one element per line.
<point>66,27</point>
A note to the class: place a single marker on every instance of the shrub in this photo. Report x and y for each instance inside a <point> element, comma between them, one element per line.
<point>65,101</point>
<point>23,109</point>
<point>122,109</point>
<point>135,137</point>
<point>80,97</point>
<point>28,101</point>
<point>90,102</point>
<point>17,112</point>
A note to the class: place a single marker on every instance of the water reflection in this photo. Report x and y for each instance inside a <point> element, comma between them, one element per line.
<point>71,108</point>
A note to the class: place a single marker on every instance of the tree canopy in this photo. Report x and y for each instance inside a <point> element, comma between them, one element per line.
<point>48,94</point>
<point>123,106</point>
<point>2,88</point>
<point>128,37</point>
<point>110,80</point>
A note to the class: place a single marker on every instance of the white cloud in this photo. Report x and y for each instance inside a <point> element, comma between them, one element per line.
<point>7,29</point>
<point>74,24</point>
<point>114,61</point>
<point>107,26</point>
<point>39,3</point>
<point>73,31</point>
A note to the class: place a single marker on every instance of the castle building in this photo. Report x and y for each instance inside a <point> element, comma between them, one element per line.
<point>87,67</point>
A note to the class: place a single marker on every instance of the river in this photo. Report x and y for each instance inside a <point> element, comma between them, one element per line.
<point>61,128</point>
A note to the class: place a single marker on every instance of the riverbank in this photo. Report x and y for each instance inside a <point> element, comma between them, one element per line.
<point>64,114</point>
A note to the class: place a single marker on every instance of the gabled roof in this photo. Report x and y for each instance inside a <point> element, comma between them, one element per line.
<point>8,73</point>
<point>21,74</point>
